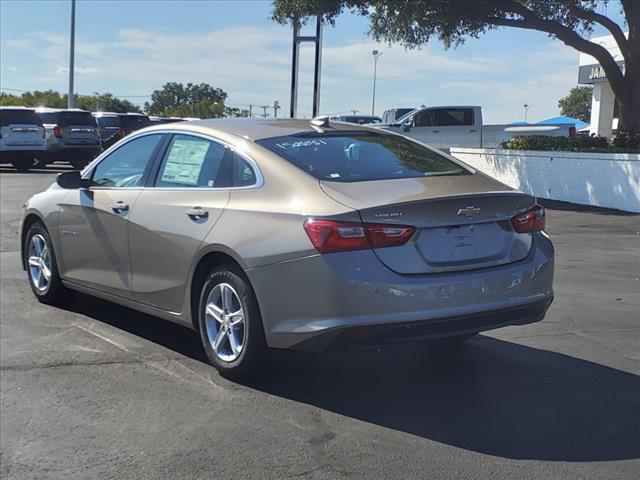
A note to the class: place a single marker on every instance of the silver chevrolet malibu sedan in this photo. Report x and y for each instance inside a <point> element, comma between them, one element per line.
<point>291,234</point>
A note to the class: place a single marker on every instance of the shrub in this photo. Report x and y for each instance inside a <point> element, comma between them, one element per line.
<point>624,142</point>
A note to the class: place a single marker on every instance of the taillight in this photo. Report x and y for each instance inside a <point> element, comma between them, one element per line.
<point>330,236</point>
<point>530,221</point>
<point>57,131</point>
<point>120,133</point>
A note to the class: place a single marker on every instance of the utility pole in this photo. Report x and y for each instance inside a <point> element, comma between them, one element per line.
<point>354,111</point>
<point>250,111</point>
<point>97,94</point>
<point>71,101</point>
<point>276,107</point>
<point>264,107</point>
<point>376,55</point>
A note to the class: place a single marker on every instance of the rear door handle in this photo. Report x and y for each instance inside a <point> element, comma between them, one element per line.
<point>120,207</point>
<point>436,131</point>
<point>197,213</point>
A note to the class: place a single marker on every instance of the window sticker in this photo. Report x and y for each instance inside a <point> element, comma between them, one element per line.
<point>185,160</point>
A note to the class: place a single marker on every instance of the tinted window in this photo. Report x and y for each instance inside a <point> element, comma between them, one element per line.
<point>445,117</point>
<point>357,157</point>
<point>109,121</point>
<point>19,117</point>
<point>76,118</point>
<point>243,173</point>
<point>134,122</point>
<point>48,117</point>
<point>126,166</point>
<point>191,162</point>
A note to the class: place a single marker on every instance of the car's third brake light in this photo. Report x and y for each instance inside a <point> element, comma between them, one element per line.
<point>330,236</point>
<point>530,221</point>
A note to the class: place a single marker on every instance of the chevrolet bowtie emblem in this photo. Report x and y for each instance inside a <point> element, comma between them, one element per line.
<point>469,212</point>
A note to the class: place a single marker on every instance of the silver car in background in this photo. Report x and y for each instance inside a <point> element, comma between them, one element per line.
<point>290,234</point>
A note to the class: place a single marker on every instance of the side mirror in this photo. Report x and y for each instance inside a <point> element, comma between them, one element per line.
<point>406,126</point>
<point>71,180</point>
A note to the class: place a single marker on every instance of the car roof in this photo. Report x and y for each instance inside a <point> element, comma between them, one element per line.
<point>59,110</point>
<point>258,129</point>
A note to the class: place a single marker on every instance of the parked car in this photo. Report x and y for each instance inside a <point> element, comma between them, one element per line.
<point>72,136</point>
<point>114,126</point>
<point>22,137</point>
<point>359,119</point>
<point>393,114</point>
<point>462,126</point>
<point>285,234</point>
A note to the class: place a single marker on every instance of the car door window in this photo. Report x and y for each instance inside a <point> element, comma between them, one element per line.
<point>192,162</point>
<point>454,117</point>
<point>244,174</point>
<point>426,119</point>
<point>126,166</point>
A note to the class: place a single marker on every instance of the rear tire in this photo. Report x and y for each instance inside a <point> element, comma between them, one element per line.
<point>21,166</point>
<point>230,324</point>
<point>42,269</point>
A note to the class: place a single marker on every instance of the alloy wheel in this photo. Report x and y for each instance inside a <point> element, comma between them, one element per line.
<point>39,262</point>
<point>225,322</point>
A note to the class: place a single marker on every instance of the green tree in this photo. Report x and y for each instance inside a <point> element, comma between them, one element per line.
<point>577,104</point>
<point>53,99</point>
<point>190,100</point>
<point>8,100</point>
<point>413,23</point>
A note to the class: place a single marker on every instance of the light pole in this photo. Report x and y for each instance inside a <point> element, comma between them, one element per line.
<point>97,94</point>
<point>376,55</point>
<point>526,110</point>
<point>70,98</point>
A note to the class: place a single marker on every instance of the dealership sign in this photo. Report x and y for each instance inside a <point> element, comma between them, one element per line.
<point>594,73</point>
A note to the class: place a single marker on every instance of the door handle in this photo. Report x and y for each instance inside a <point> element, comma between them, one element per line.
<point>197,213</point>
<point>436,131</point>
<point>473,131</point>
<point>120,207</point>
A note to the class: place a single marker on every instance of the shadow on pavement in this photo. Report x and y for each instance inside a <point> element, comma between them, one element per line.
<point>51,168</point>
<point>486,395</point>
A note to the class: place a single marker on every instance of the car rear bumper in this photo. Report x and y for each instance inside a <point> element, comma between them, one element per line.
<point>315,301</point>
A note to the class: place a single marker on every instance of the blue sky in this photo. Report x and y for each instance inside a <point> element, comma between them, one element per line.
<point>130,48</point>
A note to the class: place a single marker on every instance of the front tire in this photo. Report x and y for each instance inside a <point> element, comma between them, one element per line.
<point>42,268</point>
<point>230,324</point>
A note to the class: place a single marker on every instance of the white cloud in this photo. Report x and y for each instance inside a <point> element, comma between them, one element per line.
<point>77,70</point>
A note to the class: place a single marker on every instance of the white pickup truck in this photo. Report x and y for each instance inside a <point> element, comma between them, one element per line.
<point>461,126</point>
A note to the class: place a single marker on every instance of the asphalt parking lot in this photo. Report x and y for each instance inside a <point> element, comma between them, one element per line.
<point>95,390</point>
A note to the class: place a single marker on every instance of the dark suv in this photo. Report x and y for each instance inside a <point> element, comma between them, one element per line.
<point>72,136</point>
<point>114,126</point>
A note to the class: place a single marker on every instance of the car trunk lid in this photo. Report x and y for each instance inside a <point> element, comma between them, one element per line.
<point>22,134</point>
<point>462,222</point>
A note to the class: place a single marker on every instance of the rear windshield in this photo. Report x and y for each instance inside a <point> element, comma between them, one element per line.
<point>68,118</point>
<point>360,157</point>
<point>109,121</point>
<point>134,121</point>
<point>19,117</point>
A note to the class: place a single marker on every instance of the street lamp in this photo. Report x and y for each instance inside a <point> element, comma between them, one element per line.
<point>526,110</point>
<point>97,94</point>
<point>71,101</point>
<point>376,55</point>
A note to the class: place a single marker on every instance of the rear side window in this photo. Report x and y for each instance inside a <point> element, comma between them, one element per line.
<point>19,117</point>
<point>192,162</point>
<point>134,122</point>
<point>48,117</point>
<point>243,173</point>
<point>360,156</point>
<point>76,118</point>
<point>113,122</point>
<point>125,167</point>
<point>445,117</point>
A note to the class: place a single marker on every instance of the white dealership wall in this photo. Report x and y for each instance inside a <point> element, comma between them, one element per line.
<point>609,180</point>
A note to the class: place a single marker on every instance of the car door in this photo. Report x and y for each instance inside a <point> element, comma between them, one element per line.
<point>457,128</point>
<point>174,215</point>
<point>94,221</point>
<point>425,128</point>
